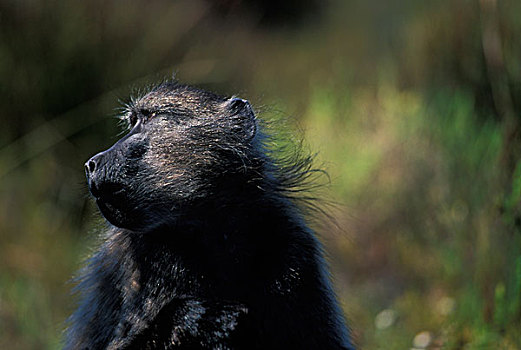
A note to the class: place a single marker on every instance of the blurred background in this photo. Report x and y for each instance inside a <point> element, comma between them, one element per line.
<point>413,106</point>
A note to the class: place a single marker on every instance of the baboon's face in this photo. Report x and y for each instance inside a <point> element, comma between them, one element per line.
<point>181,142</point>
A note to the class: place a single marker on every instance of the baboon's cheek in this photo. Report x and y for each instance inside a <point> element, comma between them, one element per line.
<point>136,150</point>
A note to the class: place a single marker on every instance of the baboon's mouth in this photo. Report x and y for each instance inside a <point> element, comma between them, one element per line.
<point>116,198</point>
<point>112,202</point>
<point>113,213</point>
<point>105,190</point>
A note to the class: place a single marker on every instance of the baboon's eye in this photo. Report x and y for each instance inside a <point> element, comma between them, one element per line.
<point>147,114</point>
<point>143,115</point>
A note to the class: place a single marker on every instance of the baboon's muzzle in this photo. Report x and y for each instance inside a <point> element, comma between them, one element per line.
<point>110,196</point>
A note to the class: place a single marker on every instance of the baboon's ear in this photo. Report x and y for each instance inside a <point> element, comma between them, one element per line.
<point>242,111</point>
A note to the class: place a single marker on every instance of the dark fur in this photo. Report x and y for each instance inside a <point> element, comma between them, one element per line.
<point>208,247</point>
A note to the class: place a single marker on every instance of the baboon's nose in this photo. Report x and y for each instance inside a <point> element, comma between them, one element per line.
<point>94,174</point>
<point>90,167</point>
<point>93,166</point>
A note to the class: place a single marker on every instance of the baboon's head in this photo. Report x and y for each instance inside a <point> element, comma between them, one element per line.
<point>182,143</point>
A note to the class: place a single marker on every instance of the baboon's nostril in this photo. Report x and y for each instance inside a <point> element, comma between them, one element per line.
<point>92,166</point>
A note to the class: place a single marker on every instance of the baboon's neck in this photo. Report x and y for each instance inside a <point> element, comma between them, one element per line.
<point>225,243</point>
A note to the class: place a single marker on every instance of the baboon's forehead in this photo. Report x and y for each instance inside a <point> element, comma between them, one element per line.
<point>178,97</point>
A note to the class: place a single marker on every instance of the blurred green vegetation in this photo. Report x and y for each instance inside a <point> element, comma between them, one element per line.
<point>414,107</point>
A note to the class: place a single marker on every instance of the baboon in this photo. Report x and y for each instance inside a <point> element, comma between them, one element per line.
<point>206,246</point>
